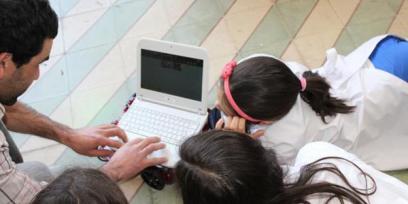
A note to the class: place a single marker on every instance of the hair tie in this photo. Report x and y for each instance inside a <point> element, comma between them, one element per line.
<point>226,74</point>
<point>303,83</point>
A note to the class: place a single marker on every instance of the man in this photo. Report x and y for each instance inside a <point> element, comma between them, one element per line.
<point>27,30</point>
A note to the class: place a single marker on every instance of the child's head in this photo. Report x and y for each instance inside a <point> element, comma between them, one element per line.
<point>265,89</point>
<point>223,167</point>
<point>77,186</point>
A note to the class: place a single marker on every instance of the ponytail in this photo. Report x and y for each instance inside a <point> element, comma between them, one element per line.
<point>317,95</point>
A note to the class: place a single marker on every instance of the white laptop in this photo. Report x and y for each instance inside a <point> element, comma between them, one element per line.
<point>171,95</point>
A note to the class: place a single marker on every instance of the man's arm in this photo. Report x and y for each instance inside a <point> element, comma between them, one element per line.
<point>128,161</point>
<point>21,118</point>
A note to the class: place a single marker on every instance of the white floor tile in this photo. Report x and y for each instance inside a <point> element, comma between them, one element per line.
<point>84,6</point>
<point>48,155</point>
<point>76,26</point>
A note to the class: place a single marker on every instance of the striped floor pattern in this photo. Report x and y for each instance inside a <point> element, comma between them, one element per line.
<point>90,73</point>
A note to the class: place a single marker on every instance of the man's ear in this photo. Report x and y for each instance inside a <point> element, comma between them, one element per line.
<point>4,57</point>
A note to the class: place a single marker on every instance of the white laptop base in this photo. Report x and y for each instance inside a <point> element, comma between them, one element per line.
<point>146,119</point>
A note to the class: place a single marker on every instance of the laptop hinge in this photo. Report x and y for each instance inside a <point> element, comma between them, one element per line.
<point>196,111</point>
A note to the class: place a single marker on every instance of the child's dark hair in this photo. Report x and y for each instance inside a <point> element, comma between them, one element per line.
<point>223,167</point>
<point>77,186</point>
<point>266,89</point>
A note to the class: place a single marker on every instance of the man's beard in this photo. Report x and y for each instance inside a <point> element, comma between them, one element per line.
<point>9,101</point>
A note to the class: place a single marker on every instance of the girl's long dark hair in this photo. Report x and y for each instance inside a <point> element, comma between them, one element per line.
<point>231,168</point>
<point>266,89</point>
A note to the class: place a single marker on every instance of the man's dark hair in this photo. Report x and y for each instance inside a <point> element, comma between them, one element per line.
<point>24,25</point>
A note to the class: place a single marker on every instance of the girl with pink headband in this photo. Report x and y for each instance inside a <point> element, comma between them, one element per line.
<point>267,79</point>
<point>356,102</point>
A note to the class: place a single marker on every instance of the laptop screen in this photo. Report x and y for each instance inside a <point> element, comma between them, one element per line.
<point>172,74</point>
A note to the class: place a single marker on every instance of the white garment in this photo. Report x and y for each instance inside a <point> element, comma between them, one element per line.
<point>377,131</point>
<point>389,189</point>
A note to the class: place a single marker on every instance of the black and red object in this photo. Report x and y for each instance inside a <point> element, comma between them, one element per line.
<point>158,177</point>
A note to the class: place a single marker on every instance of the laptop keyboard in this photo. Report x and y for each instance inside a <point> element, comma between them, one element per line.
<point>148,122</point>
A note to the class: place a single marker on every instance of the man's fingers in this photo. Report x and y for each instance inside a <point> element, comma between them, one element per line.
<point>110,143</point>
<point>135,141</point>
<point>144,143</point>
<point>100,153</point>
<point>106,126</point>
<point>115,131</point>
<point>258,134</point>
<point>155,161</point>
<point>219,124</point>
<point>152,147</point>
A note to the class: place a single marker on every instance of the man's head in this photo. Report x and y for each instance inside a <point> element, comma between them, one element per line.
<point>27,30</point>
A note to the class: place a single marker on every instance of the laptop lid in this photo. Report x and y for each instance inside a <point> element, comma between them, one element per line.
<point>172,74</point>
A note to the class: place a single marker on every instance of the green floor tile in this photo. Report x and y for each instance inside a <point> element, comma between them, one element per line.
<point>19,138</point>
<point>146,195</point>
<point>295,12</point>
<point>113,109</point>
<point>278,28</point>
<point>401,175</point>
<point>66,6</point>
<point>366,24</point>
<point>272,29</point>
<point>70,159</point>
<point>193,27</point>
<point>143,196</point>
<point>192,34</point>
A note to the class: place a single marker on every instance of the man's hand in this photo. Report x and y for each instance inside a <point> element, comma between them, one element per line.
<point>85,141</point>
<point>237,124</point>
<point>131,159</point>
<point>21,118</point>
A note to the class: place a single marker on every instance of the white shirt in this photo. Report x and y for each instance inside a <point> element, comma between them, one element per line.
<point>377,131</point>
<point>389,189</point>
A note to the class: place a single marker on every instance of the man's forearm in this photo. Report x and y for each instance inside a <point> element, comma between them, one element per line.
<point>21,118</point>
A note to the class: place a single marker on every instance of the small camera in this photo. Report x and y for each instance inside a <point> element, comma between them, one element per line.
<point>158,176</point>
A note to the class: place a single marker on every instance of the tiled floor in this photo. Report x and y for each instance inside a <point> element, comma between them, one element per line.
<point>90,74</point>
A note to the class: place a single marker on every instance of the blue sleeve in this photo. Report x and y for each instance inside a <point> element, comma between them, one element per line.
<point>391,55</point>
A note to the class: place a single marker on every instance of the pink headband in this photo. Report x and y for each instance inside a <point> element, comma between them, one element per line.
<point>303,83</point>
<point>227,72</point>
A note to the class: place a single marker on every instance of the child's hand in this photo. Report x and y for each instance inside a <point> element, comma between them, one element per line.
<point>237,124</point>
